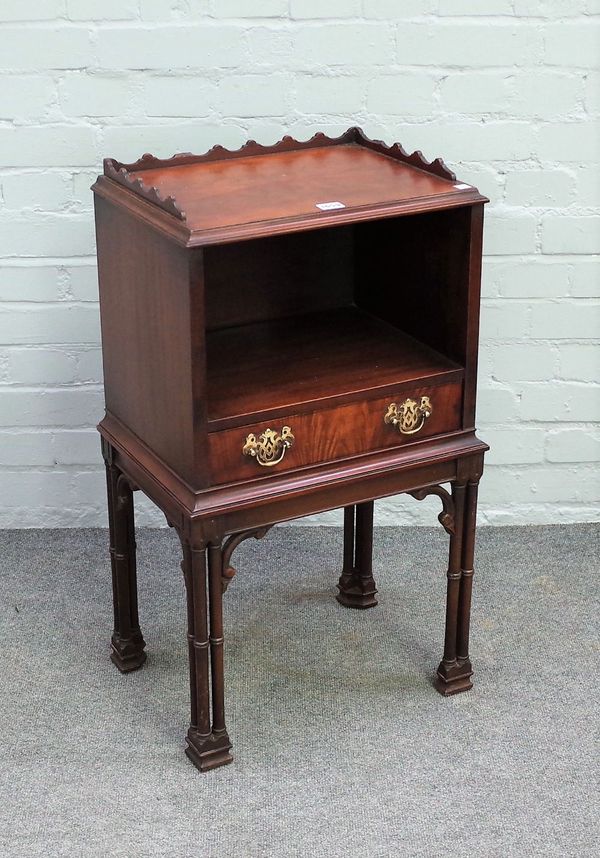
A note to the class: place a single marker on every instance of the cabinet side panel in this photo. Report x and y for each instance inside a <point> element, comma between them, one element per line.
<point>146,334</point>
<point>474,302</point>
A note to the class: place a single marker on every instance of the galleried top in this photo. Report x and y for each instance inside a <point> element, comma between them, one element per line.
<point>293,185</point>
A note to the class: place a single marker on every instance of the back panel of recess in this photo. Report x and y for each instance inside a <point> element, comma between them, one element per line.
<point>271,278</point>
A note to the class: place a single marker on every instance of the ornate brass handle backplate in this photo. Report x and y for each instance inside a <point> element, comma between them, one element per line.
<point>270,446</point>
<point>409,417</point>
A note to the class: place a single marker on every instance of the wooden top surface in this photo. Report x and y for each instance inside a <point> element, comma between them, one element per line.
<point>289,184</point>
<point>256,190</point>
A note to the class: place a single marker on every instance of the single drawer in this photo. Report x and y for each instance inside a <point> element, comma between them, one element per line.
<point>297,440</point>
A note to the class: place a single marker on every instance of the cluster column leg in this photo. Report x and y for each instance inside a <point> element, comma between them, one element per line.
<point>127,643</point>
<point>356,585</point>
<point>208,744</point>
<point>455,671</point>
<point>466,580</point>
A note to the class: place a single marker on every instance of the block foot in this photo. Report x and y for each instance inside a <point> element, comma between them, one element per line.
<point>208,751</point>
<point>454,677</point>
<point>128,654</point>
<point>356,591</point>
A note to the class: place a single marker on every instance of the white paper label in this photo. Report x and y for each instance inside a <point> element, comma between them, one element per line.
<point>327,207</point>
<point>461,186</point>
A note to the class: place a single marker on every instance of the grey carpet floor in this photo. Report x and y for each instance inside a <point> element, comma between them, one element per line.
<point>342,746</point>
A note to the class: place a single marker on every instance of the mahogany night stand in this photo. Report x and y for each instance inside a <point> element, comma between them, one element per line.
<point>286,329</point>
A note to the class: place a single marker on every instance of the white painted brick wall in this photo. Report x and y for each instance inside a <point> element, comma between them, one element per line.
<point>507,91</point>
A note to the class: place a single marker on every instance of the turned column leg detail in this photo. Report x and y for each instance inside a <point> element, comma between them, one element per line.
<point>466,585</point>
<point>208,744</point>
<point>356,585</point>
<point>349,531</point>
<point>215,571</point>
<point>364,553</point>
<point>127,643</point>
<point>194,570</point>
<point>452,677</point>
<point>458,520</point>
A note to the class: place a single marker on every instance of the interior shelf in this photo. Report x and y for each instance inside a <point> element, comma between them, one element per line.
<point>267,369</point>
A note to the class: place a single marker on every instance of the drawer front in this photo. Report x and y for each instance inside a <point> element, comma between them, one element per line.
<point>323,436</point>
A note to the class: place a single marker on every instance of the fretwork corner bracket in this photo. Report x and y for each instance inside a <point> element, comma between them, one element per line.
<point>229,547</point>
<point>446,517</point>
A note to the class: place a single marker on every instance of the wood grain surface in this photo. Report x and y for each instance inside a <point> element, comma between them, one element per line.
<point>337,433</point>
<point>288,184</point>
<point>301,363</point>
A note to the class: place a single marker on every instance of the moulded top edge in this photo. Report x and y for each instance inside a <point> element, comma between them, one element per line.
<point>243,231</point>
<point>184,236</point>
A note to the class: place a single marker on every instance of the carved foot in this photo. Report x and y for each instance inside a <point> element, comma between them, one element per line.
<point>356,591</point>
<point>128,653</point>
<point>208,751</point>
<point>454,677</point>
<point>356,585</point>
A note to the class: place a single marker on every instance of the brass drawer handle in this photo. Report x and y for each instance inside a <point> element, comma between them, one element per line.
<point>269,448</point>
<point>409,417</point>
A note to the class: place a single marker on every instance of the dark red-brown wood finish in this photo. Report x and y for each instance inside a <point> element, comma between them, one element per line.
<point>286,330</point>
